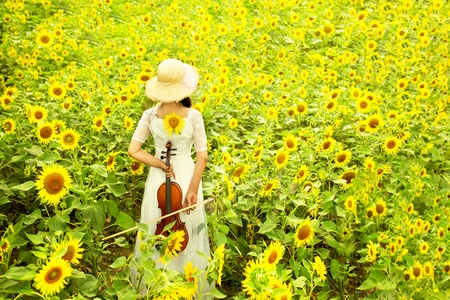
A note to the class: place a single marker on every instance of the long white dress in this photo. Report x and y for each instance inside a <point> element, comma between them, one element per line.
<point>192,135</point>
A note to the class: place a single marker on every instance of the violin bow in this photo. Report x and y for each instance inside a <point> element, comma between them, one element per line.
<point>160,218</point>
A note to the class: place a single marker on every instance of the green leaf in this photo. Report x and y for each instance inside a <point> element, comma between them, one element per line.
<point>35,238</point>
<point>59,222</point>
<point>31,218</point>
<point>39,254</point>
<point>4,200</point>
<point>119,263</point>
<point>329,226</point>
<point>217,294</point>
<point>24,187</point>
<point>124,221</point>
<point>96,215</point>
<point>115,186</point>
<point>374,279</point>
<point>5,283</point>
<point>49,158</point>
<point>21,273</point>
<point>99,170</point>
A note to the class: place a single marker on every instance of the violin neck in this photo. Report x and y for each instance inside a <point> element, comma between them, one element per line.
<point>168,190</point>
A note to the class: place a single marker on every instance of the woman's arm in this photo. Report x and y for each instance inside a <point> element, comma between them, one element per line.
<point>135,150</point>
<point>200,165</point>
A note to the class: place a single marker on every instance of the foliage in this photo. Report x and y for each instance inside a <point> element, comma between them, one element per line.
<point>328,131</point>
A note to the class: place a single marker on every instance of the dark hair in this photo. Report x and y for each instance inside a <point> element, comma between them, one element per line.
<point>187,102</point>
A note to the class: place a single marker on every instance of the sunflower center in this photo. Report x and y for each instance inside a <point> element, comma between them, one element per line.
<point>70,254</point>
<point>281,158</point>
<point>330,105</point>
<point>341,157</point>
<point>326,145</point>
<point>53,275</point>
<point>69,139</point>
<point>290,144</point>
<point>369,214</point>
<point>447,268</point>
<point>379,208</point>
<point>363,104</point>
<point>272,257</point>
<point>46,132</point>
<point>57,91</point>
<point>238,172</point>
<point>45,39</point>
<point>99,123</point>
<point>110,160</point>
<point>416,271</point>
<point>268,187</point>
<point>349,176</point>
<point>304,232</point>
<point>391,144</point>
<point>135,166</point>
<point>7,126</point>
<point>7,100</point>
<point>54,183</point>
<point>350,203</point>
<point>374,123</point>
<point>38,115</point>
<point>300,174</point>
<point>173,122</point>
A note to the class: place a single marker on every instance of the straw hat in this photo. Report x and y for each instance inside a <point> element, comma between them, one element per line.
<point>174,81</point>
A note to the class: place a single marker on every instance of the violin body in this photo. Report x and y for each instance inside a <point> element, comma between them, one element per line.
<point>170,198</point>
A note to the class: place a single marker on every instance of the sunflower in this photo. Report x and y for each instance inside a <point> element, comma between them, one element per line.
<point>417,270</point>
<point>328,29</point>
<point>4,245</point>
<point>304,234</point>
<point>319,267</point>
<point>371,45</point>
<point>70,249</point>
<point>380,208</point>
<point>232,123</point>
<point>220,254</point>
<point>302,108</point>
<point>44,38</point>
<point>269,187</point>
<point>143,77</point>
<point>424,247</point>
<point>9,126</point>
<point>363,105</point>
<point>372,251</point>
<point>272,113</point>
<point>256,280</point>
<point>331,105</point>
<point>373,123</point>
<point>70,84</point>
<point>342,158</point>
<point>328,144</point>
<point>290,143</point>
<point>350,203</point>
<point>301,174</point>
<point>57,91</point>
<point>46,132</point>
<point>52,277</point>
<point>190,273</point>
<point>98,122</point>
<point>5,101</point>
<point>110,161</point>
<point>37,113</point>
<point>136,168</point>
<point>69,139</point>
<point>107,110</point>
<point>446,267</point>
<point>273,254</point>
<point>281,158</point>
<point>348,176</point>
<point>240,172</point>
<point>173,123</point>
<point>67,103</point>
<point>292,111</point>
<point>391,145</point>
<point>53,184</point>
<point>257,152</point>
<point>172,244</point>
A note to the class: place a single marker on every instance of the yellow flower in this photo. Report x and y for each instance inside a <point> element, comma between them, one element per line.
<point>233,123</point>
<point>37,113</point>
<point>391,145</point>
<point>57,90</point>
<point>281,158</point>
<point>319,267</point>
<point>363,105</point>
<point>417,270</point>
<point>53,184</point>
<point>173,123</point>
<point>269,187</point>
<point>304,234</point>
<point>272,113</point>
<point>44,38</point>
<point>5,101</point>
<point>239,172</point>
<point>98,122</point>
<point>110,161</point>
<point>328,144</point>
<point>4,245</point>
<point>220,254</point>
<point>372,251</point>
<point>273,254</point>
<point>380,208</point>
<point>128,122</point>
<point>172,244</point>
<point>46,132</point>
<point>256,280</point>
<point>342,158</point>
<point>136,168</point>
<point>373,123</point>
<point>9,126</point>
<point>69,139</point>
<point>301,175</point>
<point>53,276</point>
<point>424,246</point>
<point>350,203</point>
<point>70,249</point>
<point>190,273</point>
<point>428,269</point>
<point>302,108</point>
<point>290,143</point>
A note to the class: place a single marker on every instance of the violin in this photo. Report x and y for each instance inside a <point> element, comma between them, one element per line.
<point>169,200</point>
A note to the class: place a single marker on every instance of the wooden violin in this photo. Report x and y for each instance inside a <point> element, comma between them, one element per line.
<point>170,198</point>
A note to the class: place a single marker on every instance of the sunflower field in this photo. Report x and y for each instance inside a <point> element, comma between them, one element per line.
<point>328,134</point>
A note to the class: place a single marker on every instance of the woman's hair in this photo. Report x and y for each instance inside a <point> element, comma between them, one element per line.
<point>187,102</point>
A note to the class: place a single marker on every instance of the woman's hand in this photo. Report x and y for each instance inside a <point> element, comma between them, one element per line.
<point>168,170</point>
<point>191,199</point>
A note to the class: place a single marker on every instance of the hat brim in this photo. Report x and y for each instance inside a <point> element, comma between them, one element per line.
<point>173,92</point>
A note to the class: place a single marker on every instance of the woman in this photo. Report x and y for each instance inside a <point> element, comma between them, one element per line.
<point>172,119</point>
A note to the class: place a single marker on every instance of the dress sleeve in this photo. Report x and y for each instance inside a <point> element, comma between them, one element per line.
<point>200,142</point>
<point>143,128</point>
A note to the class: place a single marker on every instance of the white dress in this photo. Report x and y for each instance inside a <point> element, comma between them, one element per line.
<point>193,134</point>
